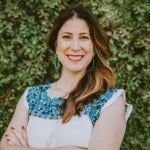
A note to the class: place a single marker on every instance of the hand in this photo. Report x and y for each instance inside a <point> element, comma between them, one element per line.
<point>16,137</point>
<point>79,148</point>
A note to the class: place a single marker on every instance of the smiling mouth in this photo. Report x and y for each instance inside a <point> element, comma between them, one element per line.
<point>75,58</point>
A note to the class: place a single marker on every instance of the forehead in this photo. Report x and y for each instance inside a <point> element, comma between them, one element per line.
<point>75,25</point>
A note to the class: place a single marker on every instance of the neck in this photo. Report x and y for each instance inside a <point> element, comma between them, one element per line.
<point>69,79</point>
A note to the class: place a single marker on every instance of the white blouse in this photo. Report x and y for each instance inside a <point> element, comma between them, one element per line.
<point>45,128</point>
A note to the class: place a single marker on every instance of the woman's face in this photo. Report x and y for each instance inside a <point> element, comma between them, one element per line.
<point>74,46</point>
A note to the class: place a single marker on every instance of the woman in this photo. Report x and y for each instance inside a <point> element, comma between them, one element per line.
<point>81,110</point>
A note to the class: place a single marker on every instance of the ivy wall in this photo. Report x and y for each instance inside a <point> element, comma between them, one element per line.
<point>26,61</point>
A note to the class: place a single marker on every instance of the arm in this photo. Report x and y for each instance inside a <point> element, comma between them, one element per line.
<point>15,138</point>
<point>109,129</point>
<point>19,122</point>
<point>29,148</point>
<point>7,146</point>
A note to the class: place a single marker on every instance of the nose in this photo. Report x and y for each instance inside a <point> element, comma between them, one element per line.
<point>75,44</point>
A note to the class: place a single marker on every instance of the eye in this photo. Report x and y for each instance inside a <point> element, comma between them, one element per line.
<point>67,37</point>
<point>84,37</point>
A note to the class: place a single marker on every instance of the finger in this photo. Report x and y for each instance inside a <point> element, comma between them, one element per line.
<point>20,136</point>
<point>8,141</point>
<point>17,135</point>
<point>11,141</point>
<point>6,135</point>
<point>24,134</point>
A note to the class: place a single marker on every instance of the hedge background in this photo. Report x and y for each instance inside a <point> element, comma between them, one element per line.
<point>25,60</point>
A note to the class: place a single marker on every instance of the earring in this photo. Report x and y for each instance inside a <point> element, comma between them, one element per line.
<point>57,64</point>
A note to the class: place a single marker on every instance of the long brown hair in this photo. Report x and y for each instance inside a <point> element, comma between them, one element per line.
<point>99,76</point>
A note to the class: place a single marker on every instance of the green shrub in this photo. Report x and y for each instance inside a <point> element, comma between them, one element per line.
<point>25,60</point>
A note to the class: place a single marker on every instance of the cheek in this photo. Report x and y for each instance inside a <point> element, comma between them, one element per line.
<point>87,45</point>
<point>89,49</point>
<point>61,46</point>
<point>91,53</point>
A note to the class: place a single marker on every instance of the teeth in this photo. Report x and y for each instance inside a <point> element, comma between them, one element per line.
<point>75,57</point>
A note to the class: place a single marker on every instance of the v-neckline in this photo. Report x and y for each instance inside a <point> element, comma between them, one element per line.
<point>55,97</point>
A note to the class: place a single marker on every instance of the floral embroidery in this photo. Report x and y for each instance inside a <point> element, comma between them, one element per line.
<point>93,109</point>
<point>41,105</point>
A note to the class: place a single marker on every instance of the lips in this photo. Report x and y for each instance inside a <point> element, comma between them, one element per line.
<point>75,58</point>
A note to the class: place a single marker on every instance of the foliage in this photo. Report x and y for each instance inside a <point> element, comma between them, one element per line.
<point>25,60</point>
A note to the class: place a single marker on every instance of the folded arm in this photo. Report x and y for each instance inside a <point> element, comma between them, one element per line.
<point>108,132</point>
<point>110,127</point>
<point>15,136</point>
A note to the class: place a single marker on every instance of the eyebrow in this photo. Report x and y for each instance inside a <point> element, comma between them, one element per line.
<point>82,33</point>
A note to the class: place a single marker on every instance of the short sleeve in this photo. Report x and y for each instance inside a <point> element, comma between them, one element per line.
<point>33,96</point>
<point>94,109</point>
<point>30,96</point>
<point>115,96</point>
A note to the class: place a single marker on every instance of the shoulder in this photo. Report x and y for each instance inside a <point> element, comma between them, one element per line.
<point>33,93</point>
<point>115,99</point>
<point>36,88</point>
<point>111,123</point>
<point>108,98</point>
<point>94,109</point>
<point>111,96</point>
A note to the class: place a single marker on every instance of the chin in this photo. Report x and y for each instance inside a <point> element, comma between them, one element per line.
<point>77,70</point>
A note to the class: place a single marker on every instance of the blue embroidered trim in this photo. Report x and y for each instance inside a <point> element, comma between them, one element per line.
<point>93,109</point>
<point>41,105</point>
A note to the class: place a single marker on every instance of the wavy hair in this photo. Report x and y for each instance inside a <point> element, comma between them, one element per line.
<point>99,75</point>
